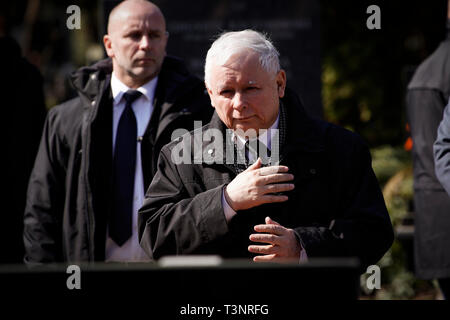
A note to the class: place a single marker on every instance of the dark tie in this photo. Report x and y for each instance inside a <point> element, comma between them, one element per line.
<point>258,149</point>
<point>247,153</point>
<point>124,165</point>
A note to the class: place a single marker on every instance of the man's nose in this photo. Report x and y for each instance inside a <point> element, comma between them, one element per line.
<point>239,102</point>
<point>145,43</point>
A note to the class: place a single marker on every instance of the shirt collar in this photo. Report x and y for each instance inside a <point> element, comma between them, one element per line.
<point>264,137</point>
<point>118,88</point>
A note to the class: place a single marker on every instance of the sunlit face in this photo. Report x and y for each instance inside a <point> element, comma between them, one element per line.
<point>244,95</point>
<point>136,42</point>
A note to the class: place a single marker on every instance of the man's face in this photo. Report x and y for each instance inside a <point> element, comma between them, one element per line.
<point>136,42</point>
<point>244,95</point>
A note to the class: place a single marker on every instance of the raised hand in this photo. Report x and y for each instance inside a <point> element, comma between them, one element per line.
<point>257,185</point>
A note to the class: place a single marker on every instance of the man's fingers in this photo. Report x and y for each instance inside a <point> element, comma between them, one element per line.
<point>272,229</point>
<point>268,249</point>
<point>274,188</point>
<point>265,238</point>
<point>269,220</point>
<point>272,170</point>
<point>274,178</point>
<point>269,198</point>
<point>274,258</point>
<point>265,258</point>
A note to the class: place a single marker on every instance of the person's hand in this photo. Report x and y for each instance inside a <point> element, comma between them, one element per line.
<point>257,185</point>
<point>282,244</point>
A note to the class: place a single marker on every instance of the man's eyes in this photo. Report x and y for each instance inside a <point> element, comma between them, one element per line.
<point>138,35</point>
<point>154,35</point>
<point>134,35</point>
<point>229,92</point>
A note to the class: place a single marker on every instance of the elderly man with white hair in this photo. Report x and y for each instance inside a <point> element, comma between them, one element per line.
<point>312,194</point>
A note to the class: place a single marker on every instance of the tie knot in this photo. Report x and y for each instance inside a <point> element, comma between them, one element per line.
<point>131,95</point>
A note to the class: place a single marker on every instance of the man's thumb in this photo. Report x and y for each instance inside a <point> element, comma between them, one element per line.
<point>255,165</point>
<point>268,220</point>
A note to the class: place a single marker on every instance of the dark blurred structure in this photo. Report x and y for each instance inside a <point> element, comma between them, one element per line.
<point>23,114</point>
<point>164,288</point>
<point>294,26</point>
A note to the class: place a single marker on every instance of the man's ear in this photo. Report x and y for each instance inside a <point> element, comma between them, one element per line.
<point>108,45</point>
<point>210,95</point>
<point>165,39</point>
<point>281,83</point>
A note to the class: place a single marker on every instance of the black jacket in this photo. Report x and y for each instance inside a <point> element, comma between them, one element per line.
<point>427,96</point>
<point>68,195</point>
<point>336,208</point>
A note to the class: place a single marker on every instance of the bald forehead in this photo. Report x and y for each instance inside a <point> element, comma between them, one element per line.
<point>134,9</point>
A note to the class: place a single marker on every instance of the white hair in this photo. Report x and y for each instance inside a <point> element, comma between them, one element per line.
<point>230,43</point>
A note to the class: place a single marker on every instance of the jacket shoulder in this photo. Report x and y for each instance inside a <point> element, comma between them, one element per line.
<point>185,137</point>
<point>433,72</point>
<point>70,108</point>
<point>66,117</point>
<point>339,138</point>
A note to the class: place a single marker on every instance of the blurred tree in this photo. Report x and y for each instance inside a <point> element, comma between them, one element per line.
<point>364,71</point>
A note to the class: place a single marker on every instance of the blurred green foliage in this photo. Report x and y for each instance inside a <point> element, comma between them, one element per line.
<point>364,78</point>
<point>393,168</point>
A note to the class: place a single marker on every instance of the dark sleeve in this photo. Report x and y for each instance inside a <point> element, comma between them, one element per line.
<point>362,227</point>
<point>424,111</point>
<point>45,198</point>
<point>175,218</point>
<point>442,151</point>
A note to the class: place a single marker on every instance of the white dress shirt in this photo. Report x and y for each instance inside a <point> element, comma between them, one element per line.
<point>143,108</point>
<point>266,139</point>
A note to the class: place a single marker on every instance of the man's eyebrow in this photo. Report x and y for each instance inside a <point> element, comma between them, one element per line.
<point>222,86</point>
<point>131,29</point>
<point>137,29</point>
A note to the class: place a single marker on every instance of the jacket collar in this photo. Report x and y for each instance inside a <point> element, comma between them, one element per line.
<point>174,82</point>
<point>303,132</point>
<point>88,81</point>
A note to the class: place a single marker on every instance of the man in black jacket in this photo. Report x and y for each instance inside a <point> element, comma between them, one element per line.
<point>98,152</point>
<point>310,190</point>
<point>428,94</point>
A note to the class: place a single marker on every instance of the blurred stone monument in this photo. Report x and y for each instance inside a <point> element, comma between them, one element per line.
<point>293,26</point>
